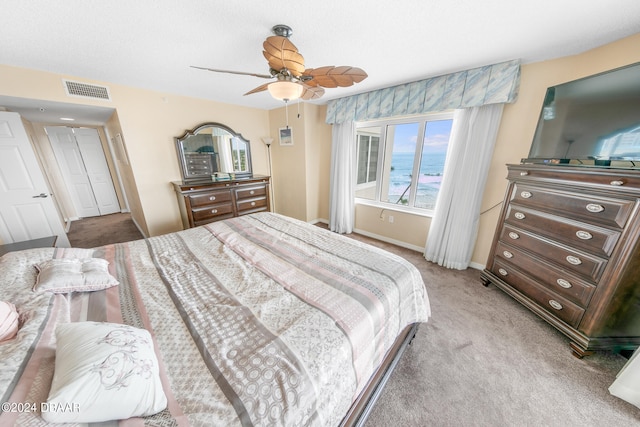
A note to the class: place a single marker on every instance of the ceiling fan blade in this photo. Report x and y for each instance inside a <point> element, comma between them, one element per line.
<point>331,77</point>
<point>281,53</point>
<point>311,92</point>
<point>258,89</point>
<point>242,73</point>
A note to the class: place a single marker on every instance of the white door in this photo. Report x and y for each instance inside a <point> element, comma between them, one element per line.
<point>72,167</point>
<point>84,167</point>
<point>26,208</point>
<point>97,170</point>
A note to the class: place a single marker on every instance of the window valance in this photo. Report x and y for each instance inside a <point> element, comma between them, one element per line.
<point>492,84</point>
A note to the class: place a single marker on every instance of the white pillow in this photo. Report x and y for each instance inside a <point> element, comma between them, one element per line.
<point>9,321</point>
<point>73,275</point>
<point>103,372</point>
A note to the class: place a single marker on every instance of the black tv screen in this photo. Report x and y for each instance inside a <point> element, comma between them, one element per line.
<point>594,121</point>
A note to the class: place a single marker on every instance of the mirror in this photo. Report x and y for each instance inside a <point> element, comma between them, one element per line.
<point>213,151</point>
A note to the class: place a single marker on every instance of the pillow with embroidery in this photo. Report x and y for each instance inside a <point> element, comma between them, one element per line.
<point>103,372</point>
<point>64,275</point>
<point>9,321</point>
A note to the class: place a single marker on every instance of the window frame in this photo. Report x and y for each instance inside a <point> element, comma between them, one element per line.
<point>383,124</point>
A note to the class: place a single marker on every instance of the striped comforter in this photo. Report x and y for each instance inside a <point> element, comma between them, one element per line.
<point>256,320</point>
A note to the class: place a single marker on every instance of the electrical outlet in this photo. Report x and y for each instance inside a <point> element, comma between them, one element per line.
<point>391,219</point>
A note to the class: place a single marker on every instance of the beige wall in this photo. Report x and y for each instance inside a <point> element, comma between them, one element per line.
<point>148,121</point>
<point>301,172</point>
<point>127,177</point>
<point>288,162</point>
<point>318,161</point>
<point>514,139</point>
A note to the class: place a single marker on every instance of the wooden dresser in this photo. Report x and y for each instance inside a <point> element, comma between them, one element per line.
<point>567,247</point>
<point>202,202</point>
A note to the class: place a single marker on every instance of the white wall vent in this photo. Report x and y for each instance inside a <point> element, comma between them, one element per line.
<point>85,90</point>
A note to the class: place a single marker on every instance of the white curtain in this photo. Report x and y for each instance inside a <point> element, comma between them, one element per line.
<point>342,179</point>
<point>454,227</point>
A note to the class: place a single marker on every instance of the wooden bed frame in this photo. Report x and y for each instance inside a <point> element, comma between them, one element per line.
<point>363,405</point>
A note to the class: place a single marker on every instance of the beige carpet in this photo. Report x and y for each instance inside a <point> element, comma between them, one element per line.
<point>485,360</point>
<point>103,230</point>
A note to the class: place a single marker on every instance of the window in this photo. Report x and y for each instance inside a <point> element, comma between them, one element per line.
<point>394,168</point>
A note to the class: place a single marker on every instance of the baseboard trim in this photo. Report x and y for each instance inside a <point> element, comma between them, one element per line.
<point>474,265</point>
<point>477,266</point>
<point>389,240</point>
<point>138,227</point>
<point>319,220</point>
<point>68,221</point>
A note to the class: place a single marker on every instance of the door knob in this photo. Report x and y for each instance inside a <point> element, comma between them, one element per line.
<point>41,195</point>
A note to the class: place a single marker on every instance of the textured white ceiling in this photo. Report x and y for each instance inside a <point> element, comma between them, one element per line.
<point>151,43</point>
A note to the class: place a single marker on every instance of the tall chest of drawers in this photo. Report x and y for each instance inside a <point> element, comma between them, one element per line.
<point>202,202</point>
<point>567,246</point>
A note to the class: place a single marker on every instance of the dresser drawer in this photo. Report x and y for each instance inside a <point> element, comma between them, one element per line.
<point>553,303</point>
<point>597,240</point>
<point>546,274</point>
<point>209,198</point>
<point>602,210</point>
<point>251,204</point>
<point>210,212</point>
<point>199,168</point>
<point>621,181</point>
<point>198,164</point>
<point>246,193</point>
<point>581,263</point>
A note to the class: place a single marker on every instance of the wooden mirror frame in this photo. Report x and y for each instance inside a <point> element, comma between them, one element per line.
<point>206,162</point>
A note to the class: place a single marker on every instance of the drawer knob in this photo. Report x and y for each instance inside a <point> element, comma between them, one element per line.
<point>502,271</point>
<point>514,235</point>
<point>574,260</point>
<point>526,195</point>
<point>595,208</point>
<point>584,235</point>
<point>519,215</point>
<point>555,304</point>
<point>253,203</point>
<point>617,183</point>
<point>252,192</point>
<point>564,283</point>
<point>213,211</point>
<point>212,198</point>
<point>507,254</point>
<point>524,173</point>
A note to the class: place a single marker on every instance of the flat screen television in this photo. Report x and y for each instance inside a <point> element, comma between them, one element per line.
<point>593,121</point>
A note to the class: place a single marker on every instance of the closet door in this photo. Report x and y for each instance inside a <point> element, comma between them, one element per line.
<point>97,170</point>
<point>84,167</point>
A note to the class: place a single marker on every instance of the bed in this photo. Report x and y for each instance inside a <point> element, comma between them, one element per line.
<point>255,320</point>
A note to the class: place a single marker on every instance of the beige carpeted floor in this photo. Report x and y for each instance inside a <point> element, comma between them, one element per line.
<point>481,360</point>
<point>485,360</point>
<point>103,230</point>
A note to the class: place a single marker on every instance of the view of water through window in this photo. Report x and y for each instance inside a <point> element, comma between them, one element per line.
<point>397,161</point>
<point>434,153</point>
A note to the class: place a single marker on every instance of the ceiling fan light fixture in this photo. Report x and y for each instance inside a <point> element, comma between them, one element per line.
<point>285,90</point>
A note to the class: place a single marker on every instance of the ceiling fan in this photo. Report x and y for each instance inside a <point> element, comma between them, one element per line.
<point>293,81</point>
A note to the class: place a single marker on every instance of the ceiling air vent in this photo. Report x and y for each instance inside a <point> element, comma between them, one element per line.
<point>85,90</point>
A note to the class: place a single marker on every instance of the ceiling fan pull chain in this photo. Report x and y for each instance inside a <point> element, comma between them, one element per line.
<point>286,111</point>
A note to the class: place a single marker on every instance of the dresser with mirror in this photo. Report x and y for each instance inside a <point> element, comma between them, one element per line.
<point>217,176</point>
